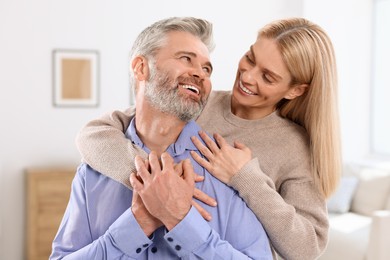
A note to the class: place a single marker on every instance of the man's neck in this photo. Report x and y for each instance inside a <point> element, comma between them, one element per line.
<point>157,130</point>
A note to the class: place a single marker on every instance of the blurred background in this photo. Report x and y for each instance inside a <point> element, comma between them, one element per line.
<point>35,133</point>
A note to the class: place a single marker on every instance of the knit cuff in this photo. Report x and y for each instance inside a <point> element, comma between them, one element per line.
<point>250,173</point>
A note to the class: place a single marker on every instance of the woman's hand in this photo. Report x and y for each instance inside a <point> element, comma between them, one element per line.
<point>200,195</point>
<point>223,160</point>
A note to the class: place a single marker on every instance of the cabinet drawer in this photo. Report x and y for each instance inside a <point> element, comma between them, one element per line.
<point>47,196</point>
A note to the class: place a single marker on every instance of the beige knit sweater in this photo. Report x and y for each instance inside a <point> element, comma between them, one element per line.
<point>276,184</point>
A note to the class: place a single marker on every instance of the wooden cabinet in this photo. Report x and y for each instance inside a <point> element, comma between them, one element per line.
<point>47,196</point>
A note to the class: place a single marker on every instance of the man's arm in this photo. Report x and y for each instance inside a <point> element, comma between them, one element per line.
<point>75,240</point>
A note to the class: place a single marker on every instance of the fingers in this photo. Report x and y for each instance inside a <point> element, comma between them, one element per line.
<point>198,178</point>
<point>135,183</point>
<point>240,146</point>
<point>147,165</point>
<point>202,162</point>
<point>154,163</point>
<point>167,162</point>
<point>243,148</point>
<point>201,147</point>
<point>207,151</point>
<point>179,168</point>
<point>209,142</point>
<point>188,172</point>
<point>202,211</point>
<point>142,171</point>
<point>220,140</point>
<point>200,195</point>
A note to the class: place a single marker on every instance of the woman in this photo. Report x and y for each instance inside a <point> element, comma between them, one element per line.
<point>283,110</point>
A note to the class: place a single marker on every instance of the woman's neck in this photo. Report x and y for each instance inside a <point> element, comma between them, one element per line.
<point>248,112</point>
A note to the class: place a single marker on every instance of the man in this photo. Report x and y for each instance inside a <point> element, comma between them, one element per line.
<point>105,220</point>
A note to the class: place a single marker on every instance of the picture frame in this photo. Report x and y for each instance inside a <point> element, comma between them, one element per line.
<point>75,78</point>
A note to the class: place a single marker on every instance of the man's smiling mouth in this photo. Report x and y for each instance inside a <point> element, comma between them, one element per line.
<point>191,88</point>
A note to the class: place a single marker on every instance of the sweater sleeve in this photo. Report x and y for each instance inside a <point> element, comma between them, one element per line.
<point>294,217</point>
<point>102,145</point>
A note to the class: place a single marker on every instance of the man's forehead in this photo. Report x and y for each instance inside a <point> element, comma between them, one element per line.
<point>179,41</point>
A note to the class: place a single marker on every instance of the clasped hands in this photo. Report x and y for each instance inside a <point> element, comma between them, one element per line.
<point>163,192</point>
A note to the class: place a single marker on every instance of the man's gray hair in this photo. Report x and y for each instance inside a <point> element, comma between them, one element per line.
<point>153,37</point>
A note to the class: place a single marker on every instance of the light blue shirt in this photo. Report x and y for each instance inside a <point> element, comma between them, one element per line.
<point>98,222</point>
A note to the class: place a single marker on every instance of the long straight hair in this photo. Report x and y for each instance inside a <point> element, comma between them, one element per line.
<point>309,56</point>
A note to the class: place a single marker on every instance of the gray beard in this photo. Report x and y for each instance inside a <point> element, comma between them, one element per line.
<point>163,94</point>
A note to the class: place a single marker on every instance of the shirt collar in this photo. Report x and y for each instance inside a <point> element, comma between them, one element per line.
<point>182,143</point>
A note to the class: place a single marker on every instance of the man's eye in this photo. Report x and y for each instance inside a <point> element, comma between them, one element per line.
<point>207,70</point>
<point>186,58</point>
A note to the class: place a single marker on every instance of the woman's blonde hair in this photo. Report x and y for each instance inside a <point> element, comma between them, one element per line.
<point>309,56</point>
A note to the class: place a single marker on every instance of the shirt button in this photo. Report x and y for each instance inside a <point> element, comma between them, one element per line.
<point>177,247</point>
<point>154,250</point>
<point>170,239</point>
<point>138,250</point>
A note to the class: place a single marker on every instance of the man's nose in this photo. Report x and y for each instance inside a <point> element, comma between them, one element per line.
<point>198,72</point>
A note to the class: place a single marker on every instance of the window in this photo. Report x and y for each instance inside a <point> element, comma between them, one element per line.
<point>380,123</point>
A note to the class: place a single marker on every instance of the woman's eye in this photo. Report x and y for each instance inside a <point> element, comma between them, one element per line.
<point>249,59</point>
<point>267,78</point>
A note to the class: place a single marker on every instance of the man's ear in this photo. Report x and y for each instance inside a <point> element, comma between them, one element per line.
<point>296,91</point>
<point>140,68</point>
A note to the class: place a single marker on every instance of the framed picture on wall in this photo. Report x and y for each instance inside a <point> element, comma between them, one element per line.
<point>75,78</point>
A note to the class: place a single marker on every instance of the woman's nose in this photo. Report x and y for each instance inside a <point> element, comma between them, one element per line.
<point>249,76</point>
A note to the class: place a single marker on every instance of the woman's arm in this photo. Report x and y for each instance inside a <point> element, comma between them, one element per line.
<point>292,211</point>
<point>103,146</point>
<point>294,215</point>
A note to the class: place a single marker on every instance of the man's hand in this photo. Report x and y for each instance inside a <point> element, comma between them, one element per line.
<point>166,195</point>
<point>147,222</point>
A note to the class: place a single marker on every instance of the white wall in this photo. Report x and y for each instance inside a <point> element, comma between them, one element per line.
<point>33,132</point>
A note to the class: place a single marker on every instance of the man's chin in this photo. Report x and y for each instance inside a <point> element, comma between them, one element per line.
<point>190,114</point>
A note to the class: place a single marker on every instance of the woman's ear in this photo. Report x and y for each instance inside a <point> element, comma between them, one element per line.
<point>296,91</point>
<point>140,68</point>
